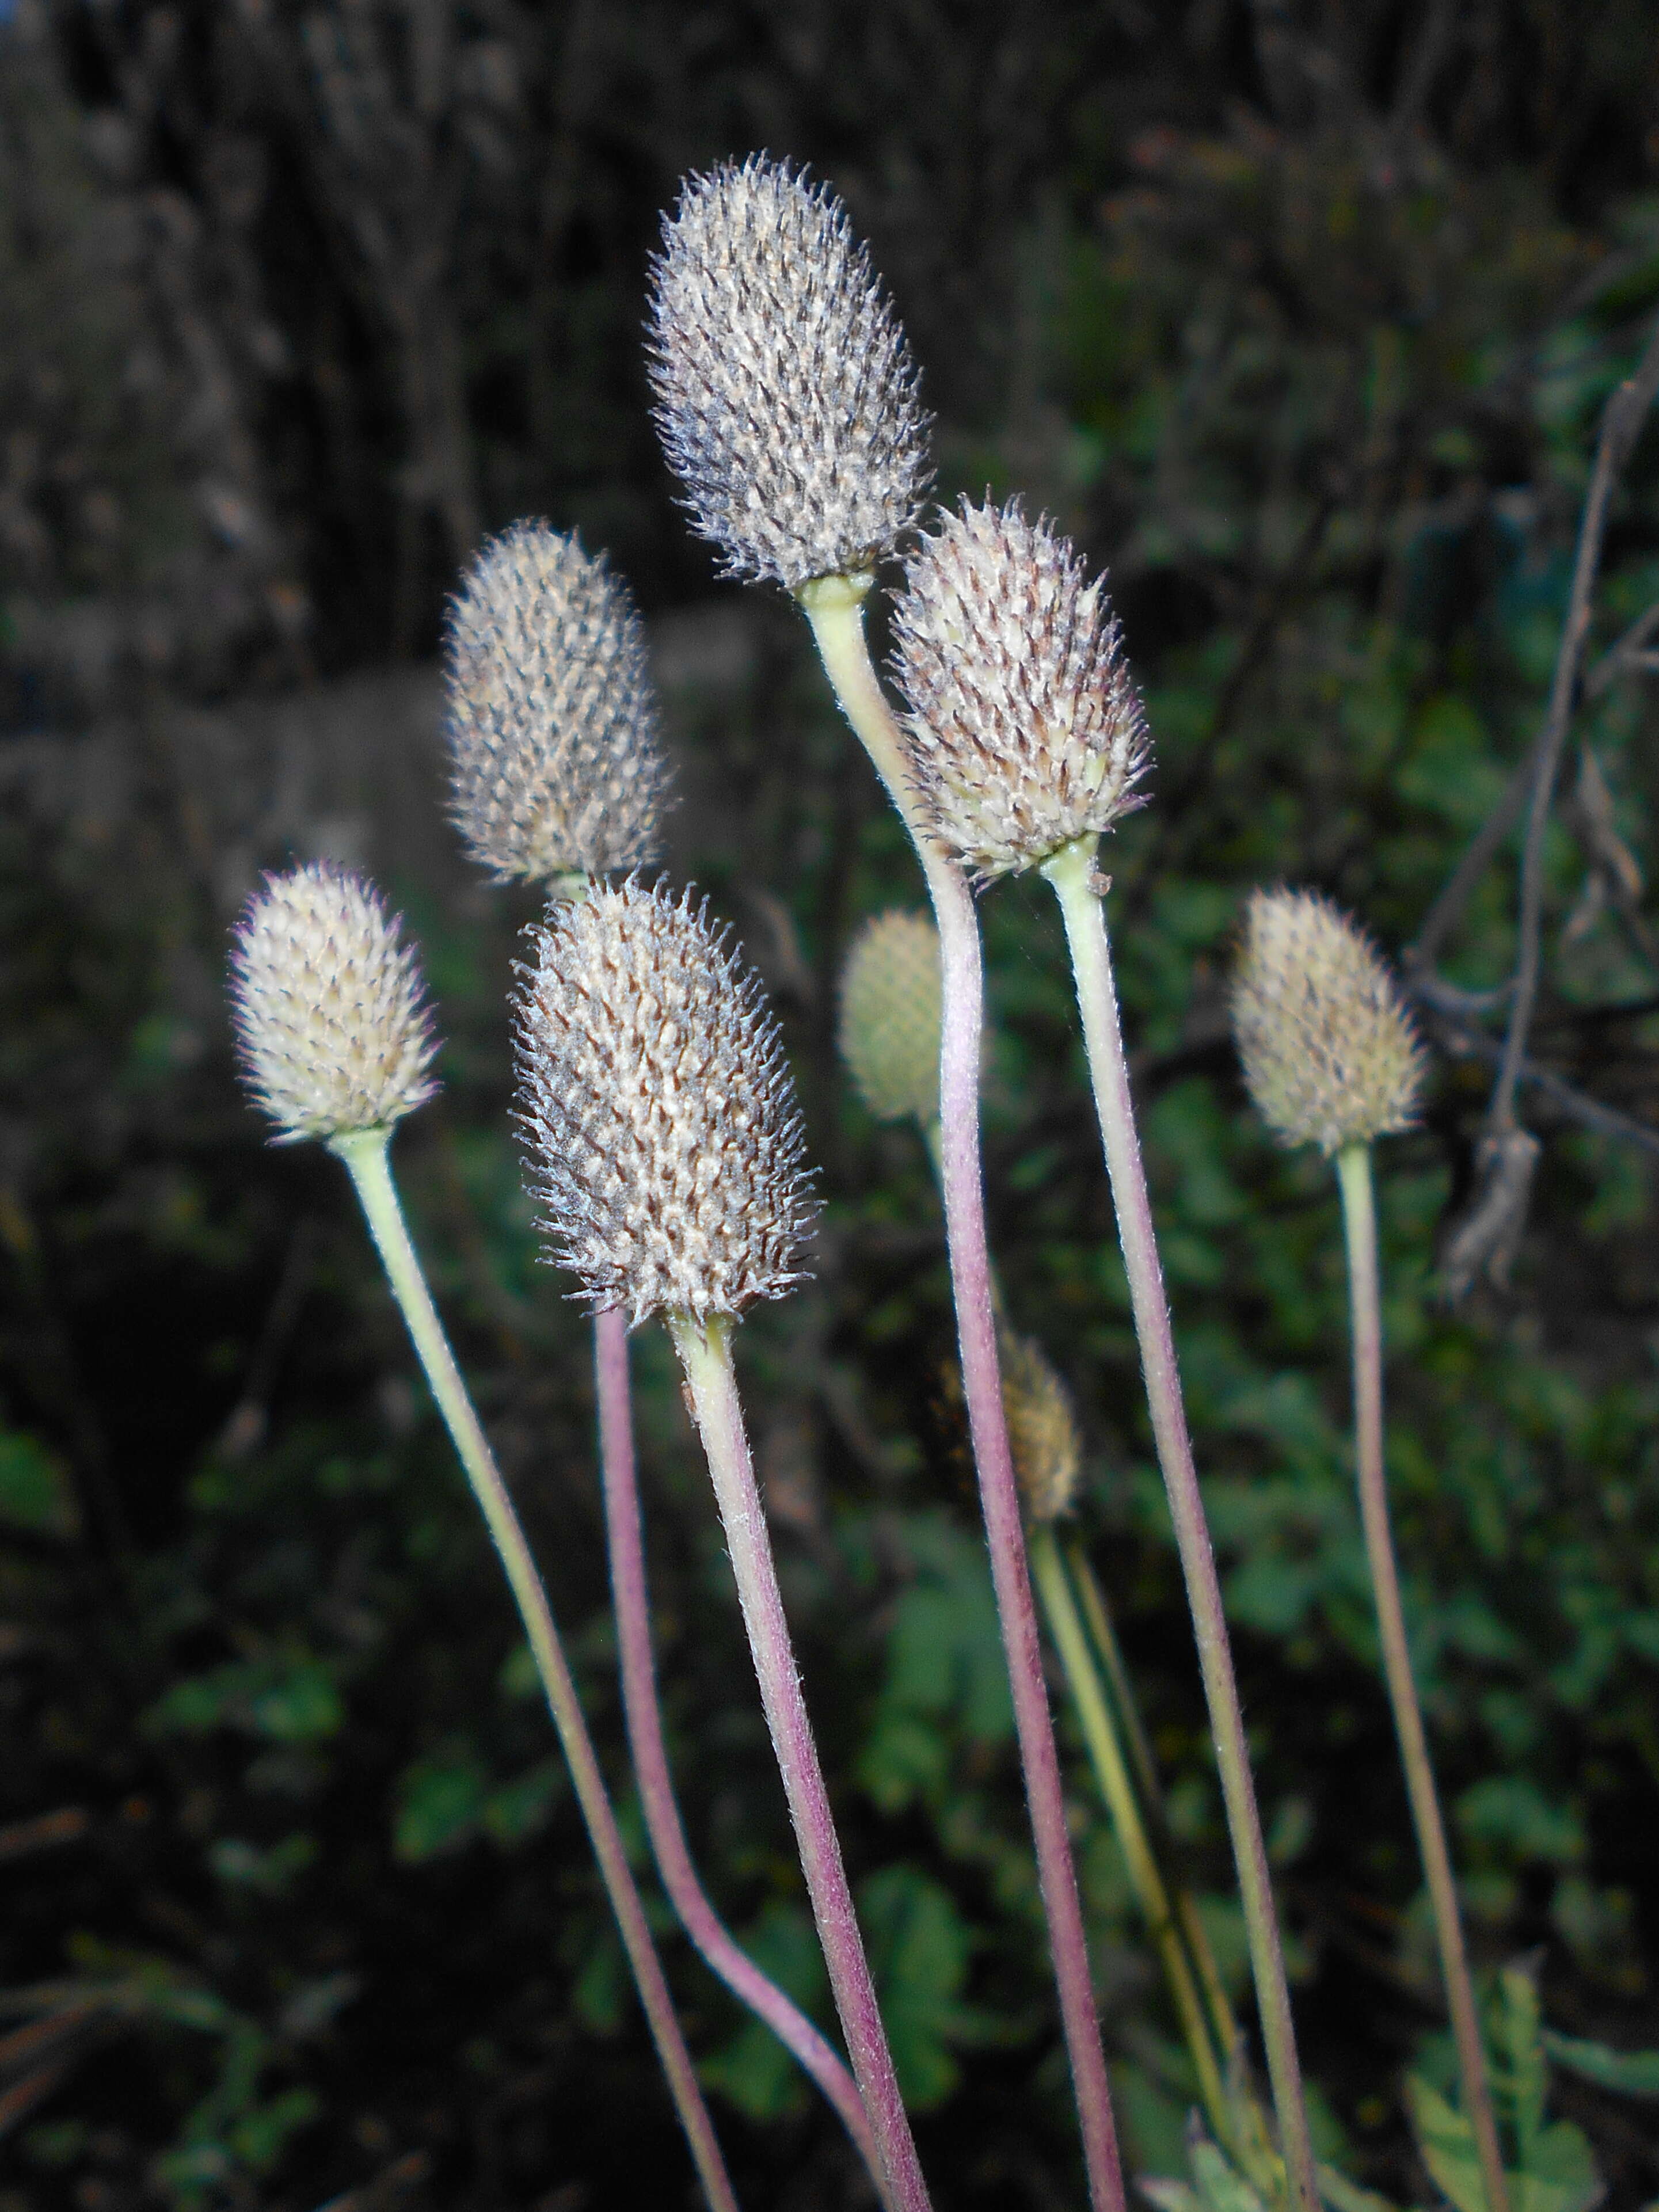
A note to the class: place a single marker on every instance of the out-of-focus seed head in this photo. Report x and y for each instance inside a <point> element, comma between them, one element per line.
<point>890,1016</point>
<point>1042,1429</point>
<point>658,1109</point>
<point>786,397</point>
<point>1025,730</point>
<point>1328,1049</point>
<point>556,765</point>
<point>334,1033</point>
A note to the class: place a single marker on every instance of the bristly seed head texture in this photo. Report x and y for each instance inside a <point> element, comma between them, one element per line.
<point>658,1109</point>
<point>334,1033</point>
<point>785,394</point>
<point>1043,1434</point>
<point>556,764</point>
<point>1025,730</point>
<point>1329,1053</point>
<point>890,1016</point>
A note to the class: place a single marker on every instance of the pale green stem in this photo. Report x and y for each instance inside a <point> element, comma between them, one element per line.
<point>1072,873</point>
<point>364,1157</point>
<point>1353,1170</point>
<point>1098,1621</point>
<point>834,605</point>
<point>1112,1772</point>
<point>705,1351</point>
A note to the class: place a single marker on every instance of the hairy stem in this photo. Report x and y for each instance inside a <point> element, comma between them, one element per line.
<point>1112,1772</point>
<point>834,608</point>
<point>705,1351</point>
<point>1072,873</point>
<point>1353,1169</point>
<point>662,1814</point>
<point>364,1157</point>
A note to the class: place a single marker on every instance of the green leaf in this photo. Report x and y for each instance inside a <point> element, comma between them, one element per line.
<point>920,1947</point>
<point>441,1804</point>
<point>754,2070</point>
<point>35,1490</point>
<point>1628,2073</point>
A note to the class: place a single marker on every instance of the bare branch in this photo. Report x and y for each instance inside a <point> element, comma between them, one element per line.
<point>1621,424</point>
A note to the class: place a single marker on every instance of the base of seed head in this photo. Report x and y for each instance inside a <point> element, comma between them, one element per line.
<point>657,1112</point>
<point>785,394</point>
<point>890,1016</point>
<point>1328,1050</point>
<point>557,768</point>
<point>1026,731</point>
<point>333,1031</point>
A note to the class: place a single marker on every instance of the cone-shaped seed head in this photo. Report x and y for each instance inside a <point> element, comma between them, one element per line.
<point>1025,730</point>
<point>331,1015</point>
<point>1042,1428</point>
<point>890,1016</point>
<point>1328,1050</point>
<point>658,1109</point>
<point>785,394</point>
<point>556,766</point>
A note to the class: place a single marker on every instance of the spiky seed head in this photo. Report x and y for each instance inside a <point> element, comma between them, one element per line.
<point>557,766</point>
<point>890,1016</point>
<point>1042,1429</point>
<point>334,1033</point>
<point>786,397</point>
<point>658,1111</point>
<point>1025,730</point>
<point>1329,1053</point>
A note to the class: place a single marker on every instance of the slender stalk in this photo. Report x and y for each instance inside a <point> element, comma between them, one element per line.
<point>1353,1170</point>
<point>705,1351</point>
<point>1072,873</point>
<point>364,1157</point>
<point>662,1813</point>
<point>834,607</point>
<point>1098,1621</point>
<point>1111,1771</point>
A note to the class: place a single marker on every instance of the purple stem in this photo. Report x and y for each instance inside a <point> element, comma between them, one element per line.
<point>833,608</point>
<point>705,1350</point>
<point>963,985</point>
<point>662,1813</point>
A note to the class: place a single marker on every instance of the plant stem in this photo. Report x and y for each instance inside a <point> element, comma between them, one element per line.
<point>364,1157</point>
<point>705,1351</point>
<point>1072,873</point>
<point>1099,1622</point>
<point>834,609</point>
<point>662,1814</point>
<point>1111,1771</point>
<point>1353,1170</point>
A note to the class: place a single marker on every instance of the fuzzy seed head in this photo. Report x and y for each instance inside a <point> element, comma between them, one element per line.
<point>786,397</point>
<point>1042,1429</point>
<point>891,1017</point>
<point>658,1110</point>
<point>334,1033</point>
<point>1328,1049</point>
<point>556,767</point>
<point>1025,730</point>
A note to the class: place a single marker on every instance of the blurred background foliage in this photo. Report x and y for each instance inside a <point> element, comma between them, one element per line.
<point>1301,316</point>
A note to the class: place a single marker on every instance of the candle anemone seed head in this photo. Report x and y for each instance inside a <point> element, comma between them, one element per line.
<point>890,1016</point>
<point>556,766</point>
<point>332,1027</point>
<point>1025,730</point>
<point>1043,1434</point>
<point>787,398</point>
<point>1329,1053</point>
<point>658,1111</point>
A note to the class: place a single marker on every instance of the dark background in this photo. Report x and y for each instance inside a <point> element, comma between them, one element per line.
<point>1300,317</point>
